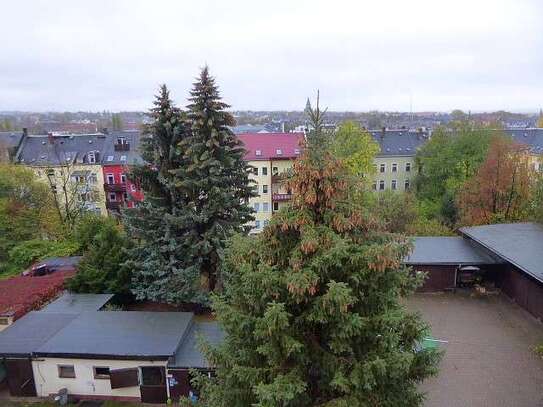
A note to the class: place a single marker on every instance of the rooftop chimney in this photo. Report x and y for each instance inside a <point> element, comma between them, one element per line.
<point>383,131</point>
<point>105,130</point>
<point>25,132</point>
<point>50,138</point>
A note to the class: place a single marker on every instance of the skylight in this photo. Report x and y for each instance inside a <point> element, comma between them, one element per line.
<point>123,157</point>
<point>279,151</point>
<point>258,152</point>
<point>110,158</point>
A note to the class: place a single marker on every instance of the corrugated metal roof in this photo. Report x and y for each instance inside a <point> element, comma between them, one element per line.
<point>447,250</point>
<point>521,244</point>
<point>188,355</point>
<point>119,335</point>
<point>28,333</point>
<point>71,303</point>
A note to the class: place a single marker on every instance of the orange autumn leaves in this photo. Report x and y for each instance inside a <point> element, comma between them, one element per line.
<point>501,189</point>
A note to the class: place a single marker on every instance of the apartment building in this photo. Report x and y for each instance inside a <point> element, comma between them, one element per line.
<point>271,155</point>
<point>71,165</point>
<point>395,163</point>
<point>121,151</point>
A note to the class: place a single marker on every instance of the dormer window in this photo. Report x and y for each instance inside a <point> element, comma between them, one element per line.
<point>91,157</point>
<point>258,153</point>
<point>123,157</point>
<point>297,151</point>
<point>279,151</point>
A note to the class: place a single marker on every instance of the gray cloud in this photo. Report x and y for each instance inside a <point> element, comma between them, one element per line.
<point>479,55</point>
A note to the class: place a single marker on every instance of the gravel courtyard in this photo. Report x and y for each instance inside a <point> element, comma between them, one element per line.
<point>488,359</point>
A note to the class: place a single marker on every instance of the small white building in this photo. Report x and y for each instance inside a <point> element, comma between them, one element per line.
<point>120,355</point>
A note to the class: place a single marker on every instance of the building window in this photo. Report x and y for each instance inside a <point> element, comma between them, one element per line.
<point>125,196</point>
<point>407,167</point>
<point>382,168</point>
<point>266,223</point>
<point>394,167</point>
<point>265,207</point>
<point>264,189</point>
<point>258,152</point>
<point>101,372</point>
<point>279,151</point>
<point>275,171</point>
<point>4,321</point>
<point>381,185</point>
<point>66,371</point>
<point>297,151</point>
<point>393,184</point>
<point>276,206</point>
<point>257,224</point>
<point>123,179</point>
<point>406,184</point>
<point>255,170</point>
<point>91,157</point>
<point>123,157</point>
<point>133,187</point>
<point>112,196</point>
<point>374,185</point>
<point>110,179</point>
<point>110,158</point>
<point>264,170</point>
<point>256,206</point>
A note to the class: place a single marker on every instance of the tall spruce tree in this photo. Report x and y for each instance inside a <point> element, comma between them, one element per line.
<point>311,309</point>
<point>157,258</point>
<point>214,181</point>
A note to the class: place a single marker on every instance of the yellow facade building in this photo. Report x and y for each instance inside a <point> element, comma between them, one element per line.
<point>271,155</point>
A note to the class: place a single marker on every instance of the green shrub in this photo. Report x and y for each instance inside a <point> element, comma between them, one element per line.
<point>24,254</point>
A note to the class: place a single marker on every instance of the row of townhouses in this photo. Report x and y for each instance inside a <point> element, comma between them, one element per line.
<point>91,169</point>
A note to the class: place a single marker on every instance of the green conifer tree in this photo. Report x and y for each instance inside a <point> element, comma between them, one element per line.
<point>158,257</point>
<point>311,308</point>
<point>214,181</point>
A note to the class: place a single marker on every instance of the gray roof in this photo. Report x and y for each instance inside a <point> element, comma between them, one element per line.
<point>119,335</point>
<point>28,333</point>
<point>521,244</point>
<point>130,157</point>
<point>188,354</point>
<point>452,250</point>
<point>71,303</point>
<point>402,142</point>
<point>10,139</point>
<point>54,150</point>
<point>62,261</point>
<point>531,137</point>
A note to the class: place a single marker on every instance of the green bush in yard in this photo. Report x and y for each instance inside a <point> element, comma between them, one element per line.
<point>30,251</point>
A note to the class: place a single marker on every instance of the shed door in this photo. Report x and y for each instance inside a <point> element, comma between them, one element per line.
<point>20,378</point>
<point>121,378</point>
<point>153,384</point>
<point>180,385</point>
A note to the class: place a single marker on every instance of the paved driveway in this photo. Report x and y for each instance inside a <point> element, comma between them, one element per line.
<point>488,359</point>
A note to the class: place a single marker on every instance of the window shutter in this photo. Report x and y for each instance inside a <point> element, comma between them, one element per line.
<point>124,378</point>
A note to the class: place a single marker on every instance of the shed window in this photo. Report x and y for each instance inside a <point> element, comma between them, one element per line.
<point>124,378</point>
<point>66,371</point>
<point>101,372</point>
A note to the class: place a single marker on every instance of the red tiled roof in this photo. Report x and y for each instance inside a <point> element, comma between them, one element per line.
<point>21,294</point>
<point>289,144</point>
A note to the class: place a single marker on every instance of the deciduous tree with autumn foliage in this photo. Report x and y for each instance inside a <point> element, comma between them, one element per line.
<point>502,187</point>
<point>311,307</point>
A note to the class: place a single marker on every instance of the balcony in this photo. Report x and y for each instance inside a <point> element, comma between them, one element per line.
<point>122,146</point>
<point>281,197</point>
<point>115,187</point>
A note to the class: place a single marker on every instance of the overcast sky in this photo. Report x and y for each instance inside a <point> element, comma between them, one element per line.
<point>362,55</point>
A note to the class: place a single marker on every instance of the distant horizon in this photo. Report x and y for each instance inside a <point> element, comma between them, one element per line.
<point>525,112</point>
